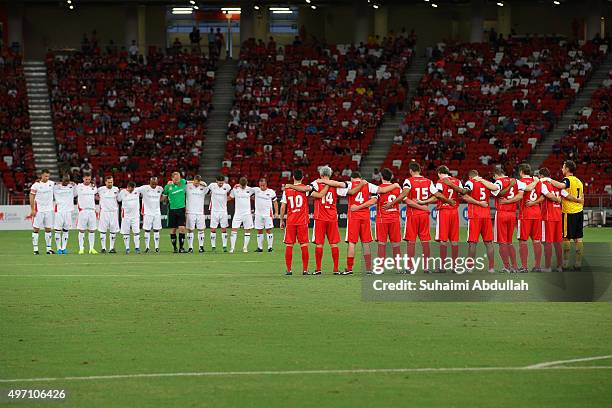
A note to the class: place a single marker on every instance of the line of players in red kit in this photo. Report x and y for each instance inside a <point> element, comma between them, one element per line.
<point>538,202</point>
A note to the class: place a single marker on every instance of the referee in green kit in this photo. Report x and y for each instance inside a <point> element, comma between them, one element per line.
<point>175,191</point>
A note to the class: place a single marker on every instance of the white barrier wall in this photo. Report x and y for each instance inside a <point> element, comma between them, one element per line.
<point>15,217</point>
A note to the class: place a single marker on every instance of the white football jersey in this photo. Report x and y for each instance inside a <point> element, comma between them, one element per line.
<point>263,201</point>
<point>195,198</point>
<point>64,197</point>
<point>86,196</point>
<point>218,197</point>
<point>130,203</point>
<point>43,195</point>
<point>150,199</point>
<point>243,199</point>
<point>108,198</point>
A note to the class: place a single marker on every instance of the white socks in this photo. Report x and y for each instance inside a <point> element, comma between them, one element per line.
<point>260,241</point>
<point>103,240</point>
<point>65,240</point>
<point>137,240</point>
<point>201,235</point>
<point>126,241</point>
<point>113,236</point>
<point>48,240</point>
<point>270,240</point>
<point>58,240</point>
<point>81,241</point>
<point>35,240</point>
<point>247,238</point>
<point>156,239</point>
<point>190,239</point>
<point>224,239</point>
<point>92,240</point>
<point>213,239</point>
<point>233,240</point>
<point>147,237</point>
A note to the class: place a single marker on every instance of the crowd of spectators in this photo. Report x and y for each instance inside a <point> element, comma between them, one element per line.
<point>16,163</point>
<point>481,104</point>
<point>587,142</point>
<point>118,112</point>
<point>311,103</point>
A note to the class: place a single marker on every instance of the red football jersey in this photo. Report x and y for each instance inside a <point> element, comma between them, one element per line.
<point>532,212</point>
<point>297,206</point>
<point>421,188</point>
<point>449,193</point>
<point>503,182</point>
<point>392,214</point>
<point>359,198</point>
<point>551,211</point>
<point>325,207</point>
<point>478,192</point>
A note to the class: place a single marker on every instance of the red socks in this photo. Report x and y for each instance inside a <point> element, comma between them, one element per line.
<point>335,257</point>
<point>288,257</point>
<point>454,253</point>
<point>304,257</point>
<point>350,260</point>
<point>524,252</point>
<point>318,257</point>
<point>368,262</point>
<point>443,252</point>
<point>547,255</point>
<point>491,256</point>
<point>537,253</point>
<point>512,255</point>
<point>382,250</point>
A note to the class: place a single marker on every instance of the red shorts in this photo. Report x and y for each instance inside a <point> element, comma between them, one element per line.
<point>552,231</point>
<point>296,231</point>
<point>417,226</point>
<point>322,229</point>
<point>447,226</point>
<point>480,226</point>
<point>358,229</point>
<point>388,231</point>
<point>505,221</point>
<point>530,229</point>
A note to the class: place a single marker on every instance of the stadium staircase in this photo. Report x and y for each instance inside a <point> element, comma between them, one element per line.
<point>41,122</point>
<point>544,148</point>
<point>383,141</point>
<point>216,132</point>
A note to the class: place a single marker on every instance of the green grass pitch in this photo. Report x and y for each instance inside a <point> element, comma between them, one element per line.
<point>295,341</point>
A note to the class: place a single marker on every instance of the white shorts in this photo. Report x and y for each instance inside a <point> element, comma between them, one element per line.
<point>218,218</point>
<point>63,221</point>
<point>132,223</point>
<point>195,221</point>
<point>263,222</point>
<point>151,222</point>
<point>43,220</point>
<point>246,220</point>
<point>109,221</point>
<point>86,220</point>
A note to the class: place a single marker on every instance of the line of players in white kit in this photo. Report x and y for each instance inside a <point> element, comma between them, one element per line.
<point>52,206</point>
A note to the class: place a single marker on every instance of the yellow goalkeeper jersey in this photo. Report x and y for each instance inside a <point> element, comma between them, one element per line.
<point>573,185</point>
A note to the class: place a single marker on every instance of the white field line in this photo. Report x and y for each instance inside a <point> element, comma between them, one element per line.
<point>300,372</point>
<point>194,262</point>
<point>547,364</point>
<point>125,275</point>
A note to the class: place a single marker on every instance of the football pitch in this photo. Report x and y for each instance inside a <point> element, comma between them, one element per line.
<point>220,329</point>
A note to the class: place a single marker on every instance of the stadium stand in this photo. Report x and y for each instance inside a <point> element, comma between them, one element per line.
<point>587,142</point>
<point>116,114</point>
<point>17,164</point>
<point>304,105</point>
<point>489,103</point>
